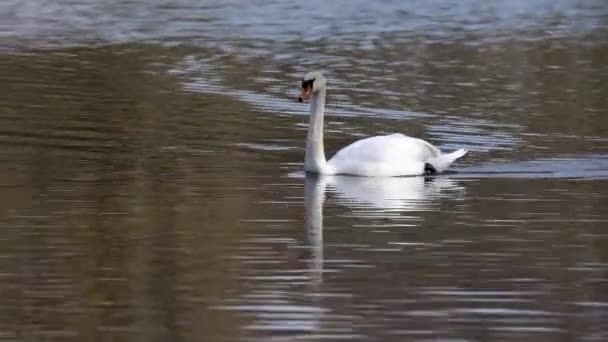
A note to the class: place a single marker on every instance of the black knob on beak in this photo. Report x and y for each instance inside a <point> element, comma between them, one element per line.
<point>300,99</point>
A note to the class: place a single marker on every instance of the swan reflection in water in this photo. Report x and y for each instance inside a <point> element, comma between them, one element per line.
<point>380,194</point>
<point>389,197</point>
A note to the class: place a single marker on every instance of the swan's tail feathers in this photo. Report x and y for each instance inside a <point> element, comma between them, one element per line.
<point>443,161</point>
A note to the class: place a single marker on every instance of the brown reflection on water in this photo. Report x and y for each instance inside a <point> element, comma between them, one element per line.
<point>111,209</point>
<point>135,208</point>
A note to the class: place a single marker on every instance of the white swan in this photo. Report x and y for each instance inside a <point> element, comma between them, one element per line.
<point>386,155</point>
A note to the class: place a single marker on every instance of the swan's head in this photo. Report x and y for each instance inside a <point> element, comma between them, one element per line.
<point>312,83</point>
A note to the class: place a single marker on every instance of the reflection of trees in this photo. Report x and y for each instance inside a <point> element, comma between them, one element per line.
<point>120,236</point>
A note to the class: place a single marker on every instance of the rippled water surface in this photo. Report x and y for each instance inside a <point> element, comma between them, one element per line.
<point>152,183</point>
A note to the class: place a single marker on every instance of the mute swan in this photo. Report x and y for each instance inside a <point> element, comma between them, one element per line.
<point>385,155</point>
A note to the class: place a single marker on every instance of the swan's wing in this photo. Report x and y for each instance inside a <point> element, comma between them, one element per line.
<point>389,155</point>
<point>388,148</point>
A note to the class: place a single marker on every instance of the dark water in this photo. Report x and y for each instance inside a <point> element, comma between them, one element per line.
<point>151,184</point>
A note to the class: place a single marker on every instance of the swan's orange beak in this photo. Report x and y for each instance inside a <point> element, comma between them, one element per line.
<point>305,94</point>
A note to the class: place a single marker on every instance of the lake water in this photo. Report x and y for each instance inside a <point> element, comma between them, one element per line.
<point>152,184</point>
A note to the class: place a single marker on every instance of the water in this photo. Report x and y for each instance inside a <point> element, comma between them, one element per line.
<point>152,184</point>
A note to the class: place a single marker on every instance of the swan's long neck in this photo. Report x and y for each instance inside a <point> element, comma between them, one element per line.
<point>314,160</point>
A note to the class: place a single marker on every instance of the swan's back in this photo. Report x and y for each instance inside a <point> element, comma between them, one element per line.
<point>385,155</point>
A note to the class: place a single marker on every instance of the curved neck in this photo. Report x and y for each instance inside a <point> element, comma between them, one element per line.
<point>314,160</point>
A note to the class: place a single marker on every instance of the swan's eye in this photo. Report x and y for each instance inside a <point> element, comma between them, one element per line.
<point>307,84</point>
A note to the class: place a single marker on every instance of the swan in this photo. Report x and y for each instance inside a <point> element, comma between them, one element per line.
<point>380,156</point>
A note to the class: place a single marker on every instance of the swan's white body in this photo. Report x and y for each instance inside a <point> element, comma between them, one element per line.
<point>383,156</point>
